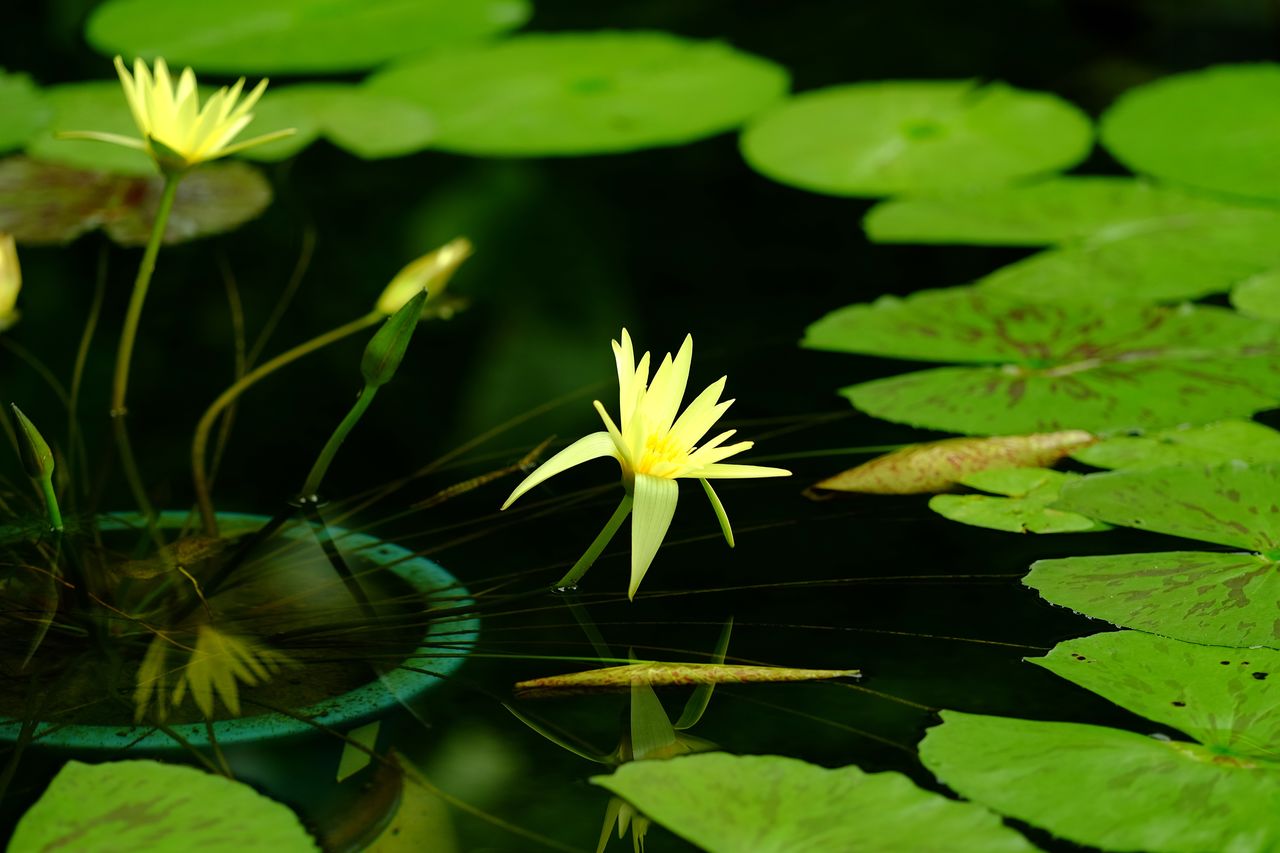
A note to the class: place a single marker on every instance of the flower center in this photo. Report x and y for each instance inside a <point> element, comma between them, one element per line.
<point>662,457</point>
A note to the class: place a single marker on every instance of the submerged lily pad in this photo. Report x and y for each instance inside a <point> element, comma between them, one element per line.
<point>1046,367</point>
<point>1215,128</point>
<point>885,138</point>
<point>1259,296</point>
<point>145,805</point>
<point>1222,441</point>
<point>584,93</point>
<point>1227,599</point>
<point>1058,210</point>
<point>24,110</point>
<point>771,804</point>
<point>294,36</point>
<point>47,203</point>
<point>1027,505</point>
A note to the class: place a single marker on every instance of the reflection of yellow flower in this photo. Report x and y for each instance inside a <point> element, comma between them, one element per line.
<point>176,131</point>
<point>431,272</point>
<point>10,281</point>
<point>655,447</point>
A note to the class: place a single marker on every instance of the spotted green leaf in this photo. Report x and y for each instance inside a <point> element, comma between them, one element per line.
<point>1025,508</point>
<point>885,138</point>
<point>551,94</point>
<point>1216,442</point>
<point>1259,295</point>
<point>771,804</point>
<point>1216,128</point>
<point>23,111</point>
<point>669,674</point>
<point>294,36</point>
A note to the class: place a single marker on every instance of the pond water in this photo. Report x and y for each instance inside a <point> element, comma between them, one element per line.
<point>569,250</point>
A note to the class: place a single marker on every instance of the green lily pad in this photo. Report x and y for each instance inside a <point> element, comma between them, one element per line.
<point>48,203</point>
<point>294,36</point>
<point>771,804</point>
<point>24,110</point>
<point>920,136</point>
<point>1259,296</point>
<point>1027,505</point>
<point>584,93</point>
<point>1057,210</point>
<point>1106,787</point>
<point>98,106</point>
<point>1216,128</point>
<point>365,123</point>
<point>145,805</point>
<point>1222,441</point>
<point>1046,367</point>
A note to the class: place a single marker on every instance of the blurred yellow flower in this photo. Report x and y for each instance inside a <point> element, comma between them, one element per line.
<point>654,447</point>
<point>176,131</point>
<point>10,281</point>
<point>432,271</point>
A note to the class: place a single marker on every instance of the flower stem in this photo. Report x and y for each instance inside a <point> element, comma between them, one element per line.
<point>128,334</point>
<point>51,503</point>
<point>321,467</point>
<point>601,542</point>
<point>200,441</point>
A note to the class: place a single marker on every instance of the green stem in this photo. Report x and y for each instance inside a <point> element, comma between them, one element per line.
<point>312,486</point>
<point>200,441</point>
<point>51,503</point>
<point>571,578</point>
<point>128,334</point>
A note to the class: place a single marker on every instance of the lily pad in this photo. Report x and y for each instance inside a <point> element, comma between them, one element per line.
<point>1106,787</point>
<point>1027,505</point>
<point>1222,441</point>
<point>294,36</point>
<point>145,805</point>
<point>1259,296</point>
<point>24,110</point>
<point>771,804</point>
<point>98,106</point>
<point>584,93</point>
<point>937,466</point>
<point>1047,367</point>
<point>886,138</point>
<point>47,203</point>
<point>1216,128</point>
<point>1058,210</point>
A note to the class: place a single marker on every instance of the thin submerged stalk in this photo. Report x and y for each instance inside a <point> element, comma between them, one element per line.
<point>311,487</point>
<point>593,552</point>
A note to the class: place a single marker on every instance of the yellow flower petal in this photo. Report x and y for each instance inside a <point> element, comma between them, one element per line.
<point>585,449</point>
<point>735,472</point>
<point>655,504</point>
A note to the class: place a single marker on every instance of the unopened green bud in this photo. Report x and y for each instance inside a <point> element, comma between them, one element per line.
<point>37,458</point>
<point>386,350</point>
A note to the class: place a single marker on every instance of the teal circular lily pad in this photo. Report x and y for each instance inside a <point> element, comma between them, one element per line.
<point>294,36</point>
<point>1217,129</point>
<point>99,106</point>
<point>23,112</point>
<point>875,139</point>
<point>367,124</point>
<point>584,93</point>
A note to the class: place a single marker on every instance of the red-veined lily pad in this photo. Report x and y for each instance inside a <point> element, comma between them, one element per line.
<point>1222,441</point>
<point>1042,367</point>
<point>1025,504</point>
<point>1119,790</point>
<point>1221,598</point>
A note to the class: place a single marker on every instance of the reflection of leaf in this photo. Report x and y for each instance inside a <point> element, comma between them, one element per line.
<point>936,466</point>
<point>583,93</point>
<point>24,110</point>
<point>885,138</point>
<point>46,203</point>
<point>146,805</point>
<point>293,36</point>
<point>770,804</point>
<point>218,665</point>
<point>1216,442</point>
<point>669,674</point>
<point>1058,210</point>
<point>1207,597</point>
<point>1026,509</point>
<point>1044,367</point>
<point>1214,128</point>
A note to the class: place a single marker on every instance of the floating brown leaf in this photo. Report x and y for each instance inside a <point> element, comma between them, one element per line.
<point>938,466</point>
<point>667,675</point>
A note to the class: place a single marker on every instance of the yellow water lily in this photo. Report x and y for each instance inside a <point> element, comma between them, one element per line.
<point>431,272</point>
<point>655,444</point>
<point>10,281</point>
<point>176,131</point>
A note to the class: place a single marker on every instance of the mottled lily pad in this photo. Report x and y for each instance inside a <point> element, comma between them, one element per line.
<point>1042,367</point>
<point>47,203</point>
<point>584,93</point>
<point>1228,599</point>
<point>1259,296</point>
<point>660,674</point>
<point>920,136</point>
<point>1025,508</point>
<point>1222,441</point>
<point>771,804</point>
<point>1058,210</point>
<point>294,36</point>
<point>23,111</point>
<point>1216,128</point>
<point>145,805</point>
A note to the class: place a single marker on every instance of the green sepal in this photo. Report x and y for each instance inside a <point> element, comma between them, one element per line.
<point>386,350</point>
<point>37,458</point>
<point>718,507</point>
<point>170,161</point>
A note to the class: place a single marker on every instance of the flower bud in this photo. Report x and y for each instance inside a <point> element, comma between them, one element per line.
<point>386,349</point>
<point>10,281</point>
<point>37,458</point>
<point>431,272</point>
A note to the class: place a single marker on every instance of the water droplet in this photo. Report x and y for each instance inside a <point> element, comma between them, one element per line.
<point>565,590</point>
